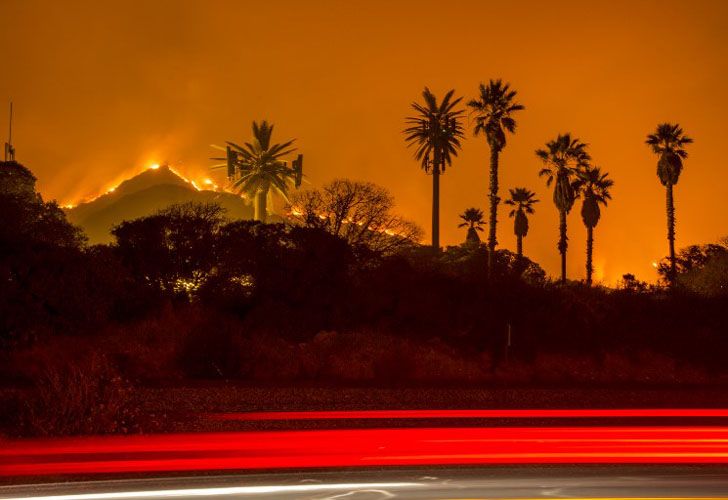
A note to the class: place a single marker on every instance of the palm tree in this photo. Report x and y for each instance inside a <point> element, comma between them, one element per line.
<point>523,200</point>
<point>668,143</point>
<point>561,158</point>
<point>594,186</point>
<point>473,220</point>
<point>436,131</point>
<point>256,169</point>
<point>493,110</point>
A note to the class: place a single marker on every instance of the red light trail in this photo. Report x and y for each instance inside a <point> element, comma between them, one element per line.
<point>363,447</point>
<point>444,414</point>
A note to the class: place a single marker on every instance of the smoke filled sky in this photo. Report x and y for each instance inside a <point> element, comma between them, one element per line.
<point>102,89</point>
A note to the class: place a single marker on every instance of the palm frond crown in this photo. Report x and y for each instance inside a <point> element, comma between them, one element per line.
<point>593,185</point>
<point>435,130</point>
<point>564,155</point>
<point>562,158</point>
<point>521,199</point>
<point>592,182</point>
<point>472,217</point>
<point>494,108</point>
<point>259,166</point>
<point>668,142</point>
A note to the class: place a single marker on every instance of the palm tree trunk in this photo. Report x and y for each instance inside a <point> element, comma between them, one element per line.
<point>492,242</point>
<point>436,206</point>
<point>671,234</point>
<point>260,206</point>
<point>563,243</point>
<point>589,250</point>
<point>519,246</point>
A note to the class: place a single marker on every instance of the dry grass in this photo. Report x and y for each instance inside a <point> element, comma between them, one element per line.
<point>79,397</point>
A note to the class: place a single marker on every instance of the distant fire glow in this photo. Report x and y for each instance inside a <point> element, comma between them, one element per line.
<point>205,183</point>
<point>84,119</point>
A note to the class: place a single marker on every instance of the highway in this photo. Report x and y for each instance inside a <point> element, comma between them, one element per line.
<point>646,454</point>
<point>602,482</point>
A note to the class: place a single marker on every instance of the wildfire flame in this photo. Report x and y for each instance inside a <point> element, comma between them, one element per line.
<point>298,212</point>
<point>207,183</point>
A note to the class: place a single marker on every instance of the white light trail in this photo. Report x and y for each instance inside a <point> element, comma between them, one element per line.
<point>222,491</point>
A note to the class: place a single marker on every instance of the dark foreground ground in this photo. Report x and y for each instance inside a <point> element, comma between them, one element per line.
<point>185,406</point>
<point>181,409</point>
<point>188,409</point>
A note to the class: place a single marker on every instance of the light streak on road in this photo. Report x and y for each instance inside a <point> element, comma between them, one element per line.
<point>225,491</point>
<point>485,414</point>
<point>299,449</point>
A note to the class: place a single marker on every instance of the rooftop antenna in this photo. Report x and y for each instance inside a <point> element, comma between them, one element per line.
<point>9,149</point>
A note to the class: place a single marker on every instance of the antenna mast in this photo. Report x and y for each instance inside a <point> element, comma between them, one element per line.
<point>9,149</point>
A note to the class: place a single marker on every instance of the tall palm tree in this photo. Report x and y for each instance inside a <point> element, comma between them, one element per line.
<point>493,110</point>
<point>257,169</point>
<point>523,200</point>
<point>562,157</point>
<point>473,220</point>
<point>436,131</point>
<point>668,142</point>
<point>593,186</point>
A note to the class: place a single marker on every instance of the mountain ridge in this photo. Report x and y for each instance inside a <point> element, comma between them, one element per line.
<point>144,194</point>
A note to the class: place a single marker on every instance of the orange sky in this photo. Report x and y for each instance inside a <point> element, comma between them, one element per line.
<point>103,88</point>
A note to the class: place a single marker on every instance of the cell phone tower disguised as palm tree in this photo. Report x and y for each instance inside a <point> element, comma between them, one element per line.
<point>9,149</point>
<point>257,169</point>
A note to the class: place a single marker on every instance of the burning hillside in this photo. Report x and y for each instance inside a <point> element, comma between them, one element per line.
<point>153,189</point>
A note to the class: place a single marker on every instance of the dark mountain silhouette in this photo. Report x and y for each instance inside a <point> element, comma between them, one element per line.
<point>145,194</point>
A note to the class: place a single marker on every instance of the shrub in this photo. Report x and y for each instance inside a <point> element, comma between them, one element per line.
<point>85,396</point>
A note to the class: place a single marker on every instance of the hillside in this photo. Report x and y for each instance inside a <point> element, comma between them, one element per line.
<point>145,194</point>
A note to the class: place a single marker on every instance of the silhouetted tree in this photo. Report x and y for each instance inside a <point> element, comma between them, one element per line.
<point>710,279</point>
<point>493,110</point>
<point>258,168</point>
<point>173,249</point>
<point>247,253</point>
<point>668,142</point>
<point>33,223</point>
<point>473,220</point>
<point>593,186</point>
<point>699,268</point>
<point>523,200</point>
<point>16,180</point>
<point>294,277</point>
<point>435,131</point>
<point>359,212</point>
<point>50,282</point>
<point>630,283</point>
<point>562,157</point>
<point>690,258</point>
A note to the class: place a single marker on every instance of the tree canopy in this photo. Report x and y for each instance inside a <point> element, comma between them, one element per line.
<point>361,213</point>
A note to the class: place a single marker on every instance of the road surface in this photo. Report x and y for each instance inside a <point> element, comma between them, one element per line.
<point>601,482</point>
<point>635,454</point>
